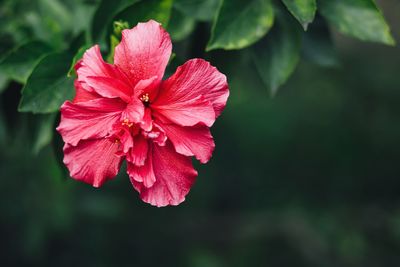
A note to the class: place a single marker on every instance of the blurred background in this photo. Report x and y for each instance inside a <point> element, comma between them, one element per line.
<point>310,177</point>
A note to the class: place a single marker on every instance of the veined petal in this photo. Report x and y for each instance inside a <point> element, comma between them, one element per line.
<point>193,79</point>
<point>89,120</point>
<point>191,141</point>
<point>92,161</point>
<point>186,112</point>
<point>174,174</point>
<point>82,95</point>
<point>107,80</point>
<point>143,174</point>
<point>110,87</point>
<point>138,153</point>
<point>144,51</point>
<point>134,111</point>
<point>147,121</point>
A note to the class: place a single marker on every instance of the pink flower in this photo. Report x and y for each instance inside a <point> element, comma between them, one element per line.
<point>126,111</point>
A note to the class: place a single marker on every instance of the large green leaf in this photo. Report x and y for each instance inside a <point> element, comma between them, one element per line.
<point>241,23</point>
<point>104,14</point>
<point>358,18</point>
<point>277,55</point>
<point>302,10</point>
<point>203,10</point>
<point>180,25</point>
<point>159,10</point>
<point>318,46</point>
<point>48,86</point>
<point>19,63</point>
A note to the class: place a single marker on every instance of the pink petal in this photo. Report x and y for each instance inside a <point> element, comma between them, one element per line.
<point>110,87</point>
<point>134,111</point>
<point>138,153</point>
<point>147,121</point>
<point>194,78</point>
<point>191,141</point>
<point>83,95</point>
<point>123,136</point>
<point>157,135</point>
<point>91,119</point>
<point>174,177</point>
<point>149,86</point>
<point>144,51</point>
<point>92,161</point>
<point>107,80</point>
<point>143,174</point>
<point>185,112</point>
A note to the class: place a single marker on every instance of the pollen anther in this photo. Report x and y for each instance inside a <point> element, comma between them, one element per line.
<point>145,98</point>
<point>127,123</point>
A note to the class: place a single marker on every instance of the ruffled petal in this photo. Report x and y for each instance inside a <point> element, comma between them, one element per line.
<point>193,79</point>
<point>134,111</point>
<point>92,161</point>
<point>144,51</point>
<point>82,95</point>
<point>107,80</point>
<point>110,87</point>
<point>147,121</point>
<point>89,120</point>
<point>143,174</point>
<point>191,141</point>
<point>157,134</point>
<point>174,174</point>
<point>187,112</point>
<point>138,153</point>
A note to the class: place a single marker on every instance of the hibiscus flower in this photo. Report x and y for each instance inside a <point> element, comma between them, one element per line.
<point>125,111</point>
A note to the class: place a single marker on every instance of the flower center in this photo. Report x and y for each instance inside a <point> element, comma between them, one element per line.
<point>145,99</point>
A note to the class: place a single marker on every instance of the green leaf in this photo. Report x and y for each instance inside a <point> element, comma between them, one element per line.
<point>318,46</point>
<point>159,10</point>
<point>19,62</point>
<point>240,24</point>
<point>277,55</point>
<point>48,86</point>
<point>115,38</point>
<point>302,10</point>
<point>358,18</point>
<point>203,10</point>
<point>180,25</point>
<point>104,15</point>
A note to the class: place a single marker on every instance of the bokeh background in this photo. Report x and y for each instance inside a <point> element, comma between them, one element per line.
<point>310,177</point>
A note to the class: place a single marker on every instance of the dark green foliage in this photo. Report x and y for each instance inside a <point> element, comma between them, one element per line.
<point>277,55</point>
<point>236,25</point>
<point>48,86</point>
<point>239,24</point>
<point>358,18</point>
<point>303,10</point>
<point>18,64</point>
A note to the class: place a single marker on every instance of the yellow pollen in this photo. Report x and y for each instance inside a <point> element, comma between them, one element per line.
<point>127,123</point>
<point>145,98</point>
